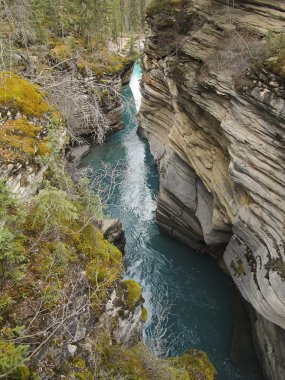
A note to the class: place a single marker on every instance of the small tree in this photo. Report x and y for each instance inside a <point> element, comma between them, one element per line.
<point>54,211</point>
<point>12,251</point>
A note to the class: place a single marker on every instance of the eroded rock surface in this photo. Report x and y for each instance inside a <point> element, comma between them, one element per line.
<point>215,123</point>
<point>112,230</point>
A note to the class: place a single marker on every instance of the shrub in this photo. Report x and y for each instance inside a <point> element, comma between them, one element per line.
<point>12,253</point>
<point>8,203</point>
<point>237,51</point>
<point>12,250</point>
<point>61,52</point>
<point>11,360</point>
<point>157,6</point>
<point>54,210</point>
<point>275,54</point>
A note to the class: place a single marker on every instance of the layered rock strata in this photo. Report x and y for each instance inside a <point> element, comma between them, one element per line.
<point>213,112</point>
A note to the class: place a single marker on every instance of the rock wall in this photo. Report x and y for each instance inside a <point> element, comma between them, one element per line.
<point>213,112</point>
<point>24,179</point>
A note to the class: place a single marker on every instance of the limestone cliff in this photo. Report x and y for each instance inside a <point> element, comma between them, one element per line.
<point>213,112</point>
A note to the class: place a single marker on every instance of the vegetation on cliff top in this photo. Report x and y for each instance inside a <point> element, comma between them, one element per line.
<point>274,58</point>
<point>55,267</point>
<point>67,29</point>
<point>138,363</point>
<point>58,45</point>
<point>27,121</point>
<point>45,245</point>
<point>18,94</point>
<point>158,6</point>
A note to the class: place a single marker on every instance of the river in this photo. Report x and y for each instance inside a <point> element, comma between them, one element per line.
<point>189,299</point>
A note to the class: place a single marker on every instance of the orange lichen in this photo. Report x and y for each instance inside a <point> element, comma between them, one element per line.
<point>19,141</point>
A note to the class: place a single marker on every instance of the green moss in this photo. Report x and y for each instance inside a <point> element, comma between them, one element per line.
<point>12,356</point>
<point>144,314</point>
<point>197,364</point>
<point>134,293</point>
<point>138,363</point>
<point>104,262</point>
<point>44,148</point>
<point>77,369</point>
<point>158,6</point>
<point>103,62</point>
<point>18,94</point>
<point>22,373</point>
<point>79,363</point>
<point>84,376</point>
<point>120,362</point>
<point>61,52</point>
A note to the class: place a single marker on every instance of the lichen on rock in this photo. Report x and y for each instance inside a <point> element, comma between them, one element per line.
<point>20,142</point>
<point>29,126</point>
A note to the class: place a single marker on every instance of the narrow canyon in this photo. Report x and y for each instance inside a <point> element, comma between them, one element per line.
<point>213,113</point>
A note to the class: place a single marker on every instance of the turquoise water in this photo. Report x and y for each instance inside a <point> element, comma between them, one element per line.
<point>189,299</point>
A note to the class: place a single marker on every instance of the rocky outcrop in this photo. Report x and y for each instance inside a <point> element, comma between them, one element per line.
<point>213,112</point>
<point>26,122</point>
<point>24,179</point>
<point>269,342</point>
<point>123,324</point>
<point>127,73</point>
<point>112,230</point>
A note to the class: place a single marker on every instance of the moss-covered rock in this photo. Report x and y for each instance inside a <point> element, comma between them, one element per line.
<point>20,141</point>
<point>134,293</point>
<point>139,363</point>
<point>197,365</point>
<point>103,266</point>
<point>61,52</point>
<point>144,314</point>
<point>17,94</point>
<point>102,63</point>
<point>158,6</point>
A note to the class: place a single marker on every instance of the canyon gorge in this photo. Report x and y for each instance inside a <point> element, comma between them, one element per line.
<point>213,113</point>
<point>142,197</point>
